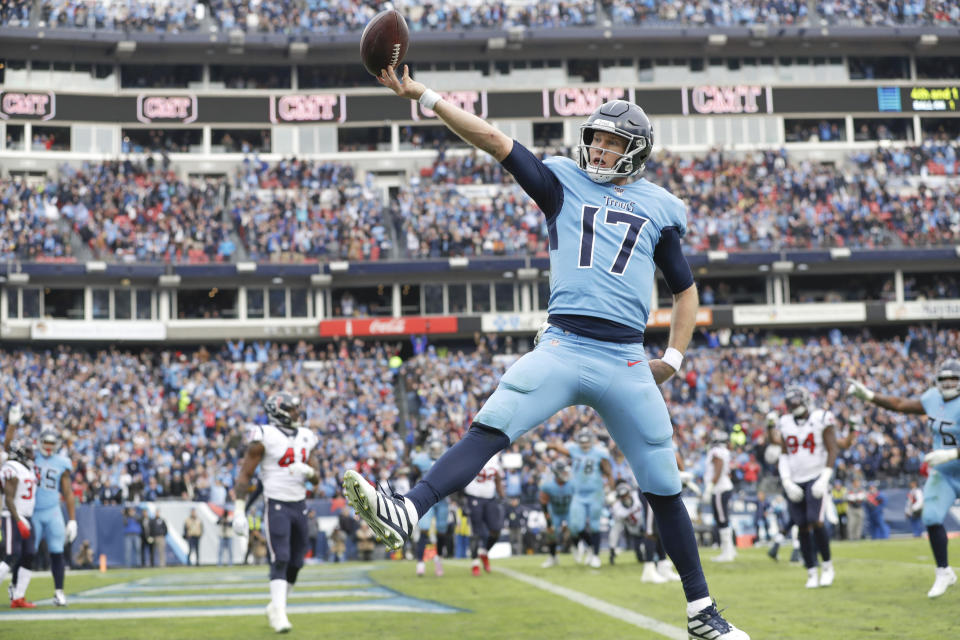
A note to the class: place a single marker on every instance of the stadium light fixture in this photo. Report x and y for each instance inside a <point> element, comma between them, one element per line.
<point>840,253</point>
<point>96,266</point>
<point>495,44</point>
<point>929,40</point>
<point>717,256</point>
<point>18,278</point>
<point>717,40</point>
<point>528,273</point>
<point>758,31</point>
<point>169,280</point>
<point>459,262</point>
<point>246,267</point>
<point>321,280</point>
<point>126,48</point>
<point>782,266</point>
<point>298,50</point>
<point>339,266</point>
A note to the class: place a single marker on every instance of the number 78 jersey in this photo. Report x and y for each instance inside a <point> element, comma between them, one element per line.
<point>803,443</point>
<point>602,244</point>
<point>279,452</point>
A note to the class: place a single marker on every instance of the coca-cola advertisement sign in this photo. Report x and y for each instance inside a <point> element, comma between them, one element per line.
<point>32,106</point>
<point>350,327</point>
<point>313,107</point>
<point>182,109</point>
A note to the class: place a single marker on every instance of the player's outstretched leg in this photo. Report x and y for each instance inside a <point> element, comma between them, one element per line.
<point>391,517</point>
<point>822,541</point>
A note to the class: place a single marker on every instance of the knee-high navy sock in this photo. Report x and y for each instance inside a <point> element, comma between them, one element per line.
<point>595,542</point>
<point>421,546</point>
<point>807,550</point>
<point>649,550</point>
<point>292,572</point>
<point>676,531</point>
<point>474,547</point>
<point>57,569</point>
<point>552,547</point>
<point>492,540</point>
<point>661,552</point>
<point>938,542</point>
<point>823,542</point>
<point>458,466</point>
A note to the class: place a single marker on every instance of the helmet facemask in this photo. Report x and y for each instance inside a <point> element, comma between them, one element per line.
<point>627,164</point>
<point>948,383</point>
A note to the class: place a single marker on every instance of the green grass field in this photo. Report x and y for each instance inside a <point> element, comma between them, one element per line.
<point>880,592</point>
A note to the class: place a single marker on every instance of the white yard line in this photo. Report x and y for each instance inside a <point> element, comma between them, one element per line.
<point>602,606</point>
<point>343,593</point>
<point>134,587</point>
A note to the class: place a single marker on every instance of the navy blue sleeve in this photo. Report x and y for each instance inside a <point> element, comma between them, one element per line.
<point>536,179</point>
<point>668,256</point>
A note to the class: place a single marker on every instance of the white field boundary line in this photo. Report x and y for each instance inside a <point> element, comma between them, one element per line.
<point>356,593</point>
<point>218,612</point>
<point>601,606</point>
<point>133,587</point>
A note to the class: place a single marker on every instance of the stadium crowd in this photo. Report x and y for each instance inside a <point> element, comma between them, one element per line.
<point>298,17</point>
<point>468,205</point>
<point>169,424</point>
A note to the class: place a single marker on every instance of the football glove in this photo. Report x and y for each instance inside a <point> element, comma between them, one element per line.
<point>24,529</point>
<point>771,454</point>
<point>71,530</point>
<point>821,484</point>
<point>707,492</point>
<point>240,524</point>
<point>792,489</point>
<point>303,470</point>
<point>858,390</point>
<point>939,456</point>
<point>14,415</point>
<point>540,332</point>
<point>771,418</point>
<point>856,422</point>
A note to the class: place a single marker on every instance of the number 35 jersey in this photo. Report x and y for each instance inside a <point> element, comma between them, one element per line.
<point>803,443</point>
<point>279,452</point>
<point>943,418</point>
<point>602,243</point>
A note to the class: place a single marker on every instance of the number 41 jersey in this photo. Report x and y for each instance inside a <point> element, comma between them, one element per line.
<point>279,452</point>
<point>602,243</point>
<point>803,443</point>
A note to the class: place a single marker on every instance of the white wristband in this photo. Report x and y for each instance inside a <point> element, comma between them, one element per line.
<point>673,358</point>
<point>429,99</point>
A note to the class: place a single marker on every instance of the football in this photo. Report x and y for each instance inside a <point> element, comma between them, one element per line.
<point>384,41</point>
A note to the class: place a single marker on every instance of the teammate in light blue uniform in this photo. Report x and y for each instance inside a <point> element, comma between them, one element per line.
<point>591,466</point>
<point>609,231</point>
<point>941,405</point>
<point>437,515</point>
<point>54,471</point>
<point>556,495</point>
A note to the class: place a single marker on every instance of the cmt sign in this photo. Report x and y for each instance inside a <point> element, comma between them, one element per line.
<point>474,102</point>
<point>714,100</point>
<point>182,109</point>
<point>33,106</point>
<point>314,107</point>
<point>575,101</point>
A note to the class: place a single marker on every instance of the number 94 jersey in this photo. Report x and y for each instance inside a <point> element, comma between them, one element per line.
<point>803,443</point>
<point>279,452</point>
<point>943,418</point>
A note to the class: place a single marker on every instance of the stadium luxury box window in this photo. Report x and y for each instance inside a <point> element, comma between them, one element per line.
<point>208,303</point>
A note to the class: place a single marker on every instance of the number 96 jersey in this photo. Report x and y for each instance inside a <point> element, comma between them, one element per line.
<point>803,443</point>
<point>279,452</point>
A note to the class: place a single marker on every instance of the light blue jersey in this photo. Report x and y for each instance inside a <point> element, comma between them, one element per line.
<point>943,485</point>
<point>559,497</point>
<point>587,469</point>
<point>50,469</point>
<point>602,243</point>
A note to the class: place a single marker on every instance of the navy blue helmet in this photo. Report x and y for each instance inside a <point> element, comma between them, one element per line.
<point>948,379</point>
<point>283,411</point>
<point>626,120</point>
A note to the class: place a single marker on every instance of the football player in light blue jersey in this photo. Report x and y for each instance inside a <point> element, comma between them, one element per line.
<point>435,517</point>
<point>54,470</point>
<point>609,231</point>
<point>556,495</point>
<point>941,405</point>
<point>591,472</point>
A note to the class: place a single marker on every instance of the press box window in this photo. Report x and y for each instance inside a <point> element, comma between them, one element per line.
<point>207,303</point>
<point>63,303</point>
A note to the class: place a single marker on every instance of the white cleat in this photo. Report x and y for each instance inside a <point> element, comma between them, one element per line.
<point>725,556</point>
<point>551,561</point>
<point>812,580</point>
<point>59,599</point>
<point>594,561</point>
<point>665,568</point>
<point>945,578</point>
<point>421,568</point>
<point>580,553</point>
<point>826,575</point>
<point>710,625</point>
<point>278,619</point>
<point>391,517</point>
<point>651,575</point>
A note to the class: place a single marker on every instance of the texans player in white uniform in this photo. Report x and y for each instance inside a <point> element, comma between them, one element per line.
<point>809,440</point>
<point>284,450</point>
<point>20,493</point>
<point>631,517</point>
<point>486,514</point>
<point>718,487</point>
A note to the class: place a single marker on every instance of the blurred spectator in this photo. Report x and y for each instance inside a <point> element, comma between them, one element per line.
<point>132,530</point>
<point>913,509</point>
<point>365,542</point>
<point>875,504</point>
<point>84,557</point>
<point>192,530</point>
